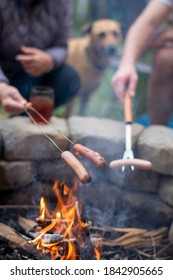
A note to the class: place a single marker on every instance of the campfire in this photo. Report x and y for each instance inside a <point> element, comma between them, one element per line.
<point>62,232</point>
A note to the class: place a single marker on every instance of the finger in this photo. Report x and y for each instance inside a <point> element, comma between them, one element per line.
<point>24,58</point>
<point>27,105</point>
<point>17,98</point>
<point>132,86</point>
<point>28,50</point>
<point>119,87</point>
<point>13,106</point>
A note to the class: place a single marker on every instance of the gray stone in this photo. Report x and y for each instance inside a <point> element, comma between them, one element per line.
<point>147,181</point>
<point>170,233</point>
<point>31,195</point>
<point>17,174</point>
<point>51,171</point>
<point>166,190</point>
<point>24,140</point>
<point>150,208</point>
<point>155,144</point>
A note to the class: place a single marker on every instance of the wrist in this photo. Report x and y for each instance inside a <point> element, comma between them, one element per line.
<point>127,63</point>
<point>3,83</point>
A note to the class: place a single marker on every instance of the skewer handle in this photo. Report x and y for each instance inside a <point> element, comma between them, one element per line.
<point>128,108</point>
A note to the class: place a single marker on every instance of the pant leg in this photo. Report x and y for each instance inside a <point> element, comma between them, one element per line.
<point>65,81</point>
<point>24,83</point>
<point>160,88</point>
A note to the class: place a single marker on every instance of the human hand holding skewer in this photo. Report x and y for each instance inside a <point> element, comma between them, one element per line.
<point>11,99</point>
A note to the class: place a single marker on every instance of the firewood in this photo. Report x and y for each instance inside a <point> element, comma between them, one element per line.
<point>134,238</point>
<point>16,241</point>
<point>26,224</point>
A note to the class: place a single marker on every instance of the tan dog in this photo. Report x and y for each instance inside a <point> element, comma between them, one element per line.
<point>91,54</point>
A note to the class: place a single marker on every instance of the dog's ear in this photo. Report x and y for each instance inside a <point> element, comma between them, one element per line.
<point>86,29</point>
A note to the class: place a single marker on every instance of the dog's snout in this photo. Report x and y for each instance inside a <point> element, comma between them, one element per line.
<point>111,49</point>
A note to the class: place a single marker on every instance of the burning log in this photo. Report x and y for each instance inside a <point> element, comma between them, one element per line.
<point>48,238</point>
<point>17,241</point>
<point>27,224</point>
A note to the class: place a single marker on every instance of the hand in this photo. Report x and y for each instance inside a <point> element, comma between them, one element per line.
<point>35,61</point>
<point>11,100</point>
<point>125,80</point>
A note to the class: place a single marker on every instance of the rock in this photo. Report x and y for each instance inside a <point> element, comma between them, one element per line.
<point>51,171</point>
<point>147,181</point>
<point>23,140</point>
<point>17,174</point>
<point>155,144</point>
<point>166,190</point>
<point>31,195</point>
<point>150,208</point>
<point>170,233</point>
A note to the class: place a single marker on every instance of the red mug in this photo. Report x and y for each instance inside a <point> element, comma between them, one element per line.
<point>42,99</point>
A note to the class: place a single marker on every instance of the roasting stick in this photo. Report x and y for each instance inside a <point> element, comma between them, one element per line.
<point>128,159</point>
<point>26,110</point>
<point>35,111</point>
<point>76,166</point>
<point>128,153</point>
<point>79,149</point>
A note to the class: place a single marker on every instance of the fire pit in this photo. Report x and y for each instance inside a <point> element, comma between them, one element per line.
<point>116,216</point>
<point>64,234</point>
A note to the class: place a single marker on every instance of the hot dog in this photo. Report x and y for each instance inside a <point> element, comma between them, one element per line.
<point>76,167</point>
<point>138,163</point>
<point>87,153</point>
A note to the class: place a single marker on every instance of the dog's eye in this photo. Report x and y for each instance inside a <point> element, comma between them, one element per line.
<point>115,34</point>
<point>101,35</point>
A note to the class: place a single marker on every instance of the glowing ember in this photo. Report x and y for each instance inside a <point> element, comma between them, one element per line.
<point>63,232</point>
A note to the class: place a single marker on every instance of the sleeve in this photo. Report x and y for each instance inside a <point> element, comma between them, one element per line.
<point>167,2</point>
<point>3,77</point>
<point>59,49</point>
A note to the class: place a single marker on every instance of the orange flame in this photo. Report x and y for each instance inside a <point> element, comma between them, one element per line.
<point>65,222</point>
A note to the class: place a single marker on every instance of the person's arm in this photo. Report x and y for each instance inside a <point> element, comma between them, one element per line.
<point>37,62</point>
<point>138,36</point>
<point>58,51</point>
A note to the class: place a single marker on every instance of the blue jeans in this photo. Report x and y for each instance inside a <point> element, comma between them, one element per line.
<point>64,80</point>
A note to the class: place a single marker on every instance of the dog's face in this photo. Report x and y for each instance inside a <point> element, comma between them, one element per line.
<point>104,36</point>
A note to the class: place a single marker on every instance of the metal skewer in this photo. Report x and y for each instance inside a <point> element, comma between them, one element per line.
<point>128,153</point>
<point>47,122</point>
<point>128,159</point>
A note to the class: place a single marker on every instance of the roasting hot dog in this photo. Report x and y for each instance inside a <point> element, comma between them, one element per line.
<point>138,163</point>
<point>87,153</point>
<point>76,166</point>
